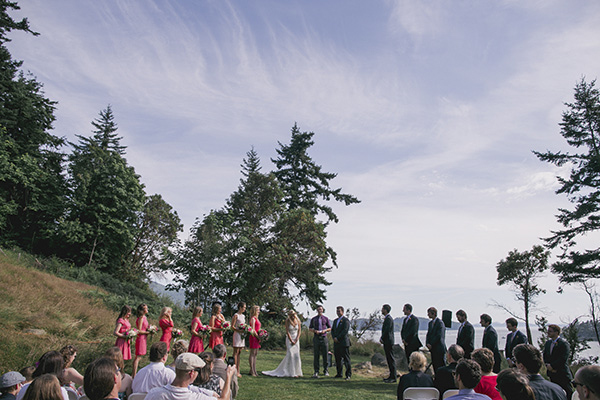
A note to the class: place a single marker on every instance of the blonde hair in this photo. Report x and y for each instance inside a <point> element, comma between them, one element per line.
<point>115,354</point>
<point>254,311</point>
<point>216,309</point>
<point>417,361</point>
<point>197,310</point>
<point>292,317</point>
<point>164,311</point>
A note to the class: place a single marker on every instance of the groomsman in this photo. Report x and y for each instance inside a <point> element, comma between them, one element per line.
<point>466,334</point>
<point>514,338</point>
<point>387,339</point>
<point>320,325</point>
<point>556,356</point>
<point>490,340</point>
<point>436,339</point>
<point>410,332</point>
<point>341,343</point>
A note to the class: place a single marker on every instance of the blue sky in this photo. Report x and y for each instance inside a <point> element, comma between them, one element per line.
<point>428,111</point>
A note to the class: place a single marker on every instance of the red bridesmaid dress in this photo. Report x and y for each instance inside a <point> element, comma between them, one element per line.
<point>121,343</point>
<point>196,343</point>
<point>253,342</point>
<point>141,340</point>
<point>167,328</point>
<point>216,337</point>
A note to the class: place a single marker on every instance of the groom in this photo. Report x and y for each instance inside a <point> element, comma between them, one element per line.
<point>341,343</point>
<point>320,325</point>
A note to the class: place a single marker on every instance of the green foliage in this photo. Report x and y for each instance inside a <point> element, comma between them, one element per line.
<point>580,127</point>
<point>521,271</point>
<point>105,202</point>
<point>253,250</point>
<point>8,24</point>
<point>571,334</point>
<point>542,324</point>
<point>360,325</point>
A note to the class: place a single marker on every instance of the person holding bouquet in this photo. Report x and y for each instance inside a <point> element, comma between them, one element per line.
<point>196,344</point>
<point>166,324</point>
<point>238,320</point>
<point>123,332</point>
<point>141,340</point>
<point>215,323</point>
<point>254,342</point>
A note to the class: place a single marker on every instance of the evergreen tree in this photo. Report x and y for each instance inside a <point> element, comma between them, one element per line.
<point>303,182</point>
<point>106,199</point>
<point>32,187</point>
<point>580,127</point>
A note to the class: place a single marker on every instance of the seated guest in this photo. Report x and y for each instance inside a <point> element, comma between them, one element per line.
<point>528,360</point>
<point>416,377</point>
<point>115,354</point>
<point>10,384</point>
<point>179,347</point>
<point>487,385</point>
<point>206,379</point>
<point>514,385</point>
<point>587,382</point>
<point>44,387</point>
<point>187,366</point>
<point>220,367</point>
<point>50,362</point>
<point>467,376</point>
<point>154,374</point>
<point>70,377</point>
<point>102,379</point>
<point>444,378</point>
<point>27,372</point>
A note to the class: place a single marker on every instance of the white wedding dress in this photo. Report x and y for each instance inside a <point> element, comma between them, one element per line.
<point>291,364</point>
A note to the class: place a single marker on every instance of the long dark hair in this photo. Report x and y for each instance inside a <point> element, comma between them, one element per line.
<point>140,310</point>
<point>51,362</point>
<point>514,385</point>
<point>124,311</point>
<point>44,387</point>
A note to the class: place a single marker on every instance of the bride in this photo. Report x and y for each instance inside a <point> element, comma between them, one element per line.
<point>291,364</point>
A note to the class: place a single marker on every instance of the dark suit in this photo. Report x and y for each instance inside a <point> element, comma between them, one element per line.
<point>413,379</point>
<point>512,340</point>
<point>490,341</point>
<point>466,338</point>
<point>444,378</point>
<point>436,337</point>
<point>558,358</point>
<point>545,390</point>
<point>341,347</point>
<point>410,335</point>
<point>387,337</point>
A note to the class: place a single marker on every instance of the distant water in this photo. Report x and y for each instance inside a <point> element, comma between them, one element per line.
<point>502,332</point>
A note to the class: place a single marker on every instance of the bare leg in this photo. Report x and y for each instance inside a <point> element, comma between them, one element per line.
<point>136,362</point>
<point>236,356</point>
<point>252,360</point>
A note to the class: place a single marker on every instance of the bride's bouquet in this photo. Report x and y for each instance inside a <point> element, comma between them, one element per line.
<point>263,335</point>
<point>177,333</point>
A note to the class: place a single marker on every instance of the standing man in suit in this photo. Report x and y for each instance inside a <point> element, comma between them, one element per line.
<point>556,356</point>
<point>387,339</point>
<point>320,325</point>
<point>410,332</point>
<point>490,340</point>
<point>514,338</point>
<point>466,334</point>
<point>436,339</point>
<point>341,343</point>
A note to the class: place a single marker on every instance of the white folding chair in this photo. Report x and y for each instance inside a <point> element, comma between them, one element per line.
<point>421,393</point>
<point>449,392</point>
<point>136,396</point>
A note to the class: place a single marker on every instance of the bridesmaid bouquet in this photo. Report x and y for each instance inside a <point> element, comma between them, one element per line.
<point>226,325</point>
<point>263,335</point>
<point>204,329</point>
<point>152,329</point>
<point>131,334</point>
<point>177,333</point>
<point>246,328</point>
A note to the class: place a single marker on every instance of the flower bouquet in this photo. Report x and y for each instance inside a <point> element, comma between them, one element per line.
<point>177,333</point>
<point>205,329</point>
<point>246,328</point>
<point>263,335</point>
<point>152,329</point>
<point>226,325</point>
<point>131,334</point>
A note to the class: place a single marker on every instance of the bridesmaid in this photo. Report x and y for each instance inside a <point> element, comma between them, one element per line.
<point>196,343</point>
<point>216,332</point>
<point>254,343</point>
<point>166,324</point>
<point>142,338</point>
<point>238,339</point>
<point>121,328</point>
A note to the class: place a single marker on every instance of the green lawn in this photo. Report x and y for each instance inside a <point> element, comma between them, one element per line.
<point>361,386</point>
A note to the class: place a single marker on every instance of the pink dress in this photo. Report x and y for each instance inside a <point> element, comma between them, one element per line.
<point>140,341</point>
<point>121,343</point>
<point>167,328</point>
<point>196,343</point>
<point>253,342</point>
<point>216,337</point>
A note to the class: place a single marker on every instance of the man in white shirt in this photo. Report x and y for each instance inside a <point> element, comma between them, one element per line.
<point>187,366</point>
<point>154,374</point>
